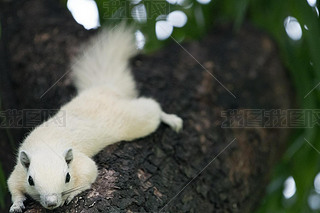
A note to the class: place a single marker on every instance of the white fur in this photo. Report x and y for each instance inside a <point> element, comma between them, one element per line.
<point>105,62</point>
<point>105,111</point>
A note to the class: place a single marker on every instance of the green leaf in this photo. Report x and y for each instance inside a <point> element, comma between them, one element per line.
<point>3,187</point>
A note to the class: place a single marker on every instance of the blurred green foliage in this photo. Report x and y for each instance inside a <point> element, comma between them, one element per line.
<point>3,183</point>
<point>302,58</point>
<point>3,187</point>
<point>302,158</point>
<point>199,16</point>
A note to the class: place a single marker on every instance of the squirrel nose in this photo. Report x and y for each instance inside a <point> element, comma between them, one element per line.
<point>51,200</point>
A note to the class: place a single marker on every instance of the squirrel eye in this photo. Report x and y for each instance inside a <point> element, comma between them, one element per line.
<point>30,180</point>
<point>68,178</point>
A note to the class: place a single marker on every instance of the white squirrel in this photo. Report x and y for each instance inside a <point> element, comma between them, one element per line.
<point>54,163</point>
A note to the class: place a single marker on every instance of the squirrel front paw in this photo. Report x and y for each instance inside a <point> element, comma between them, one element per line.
<point>17,206</point>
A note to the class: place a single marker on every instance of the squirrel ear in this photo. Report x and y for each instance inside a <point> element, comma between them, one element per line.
<point>24,159</point>
<point>68,156</point>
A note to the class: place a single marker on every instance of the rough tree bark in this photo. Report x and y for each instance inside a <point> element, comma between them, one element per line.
<point>159,172</point>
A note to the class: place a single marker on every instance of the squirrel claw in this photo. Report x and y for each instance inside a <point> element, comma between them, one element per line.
<point>17,207</point>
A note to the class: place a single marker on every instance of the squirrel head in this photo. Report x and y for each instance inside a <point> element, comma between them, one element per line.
<point>49,177</point>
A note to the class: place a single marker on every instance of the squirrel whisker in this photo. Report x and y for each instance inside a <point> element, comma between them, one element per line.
<point>72,190</point>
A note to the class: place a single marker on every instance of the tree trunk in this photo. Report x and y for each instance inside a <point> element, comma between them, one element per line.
<point>205,168</point>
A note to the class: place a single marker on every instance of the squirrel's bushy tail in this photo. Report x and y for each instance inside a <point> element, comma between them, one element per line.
<point>105,61</point>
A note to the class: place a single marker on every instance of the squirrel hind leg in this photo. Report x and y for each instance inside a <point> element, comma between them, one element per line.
<point>175,122</point>
<point>142,117</point>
